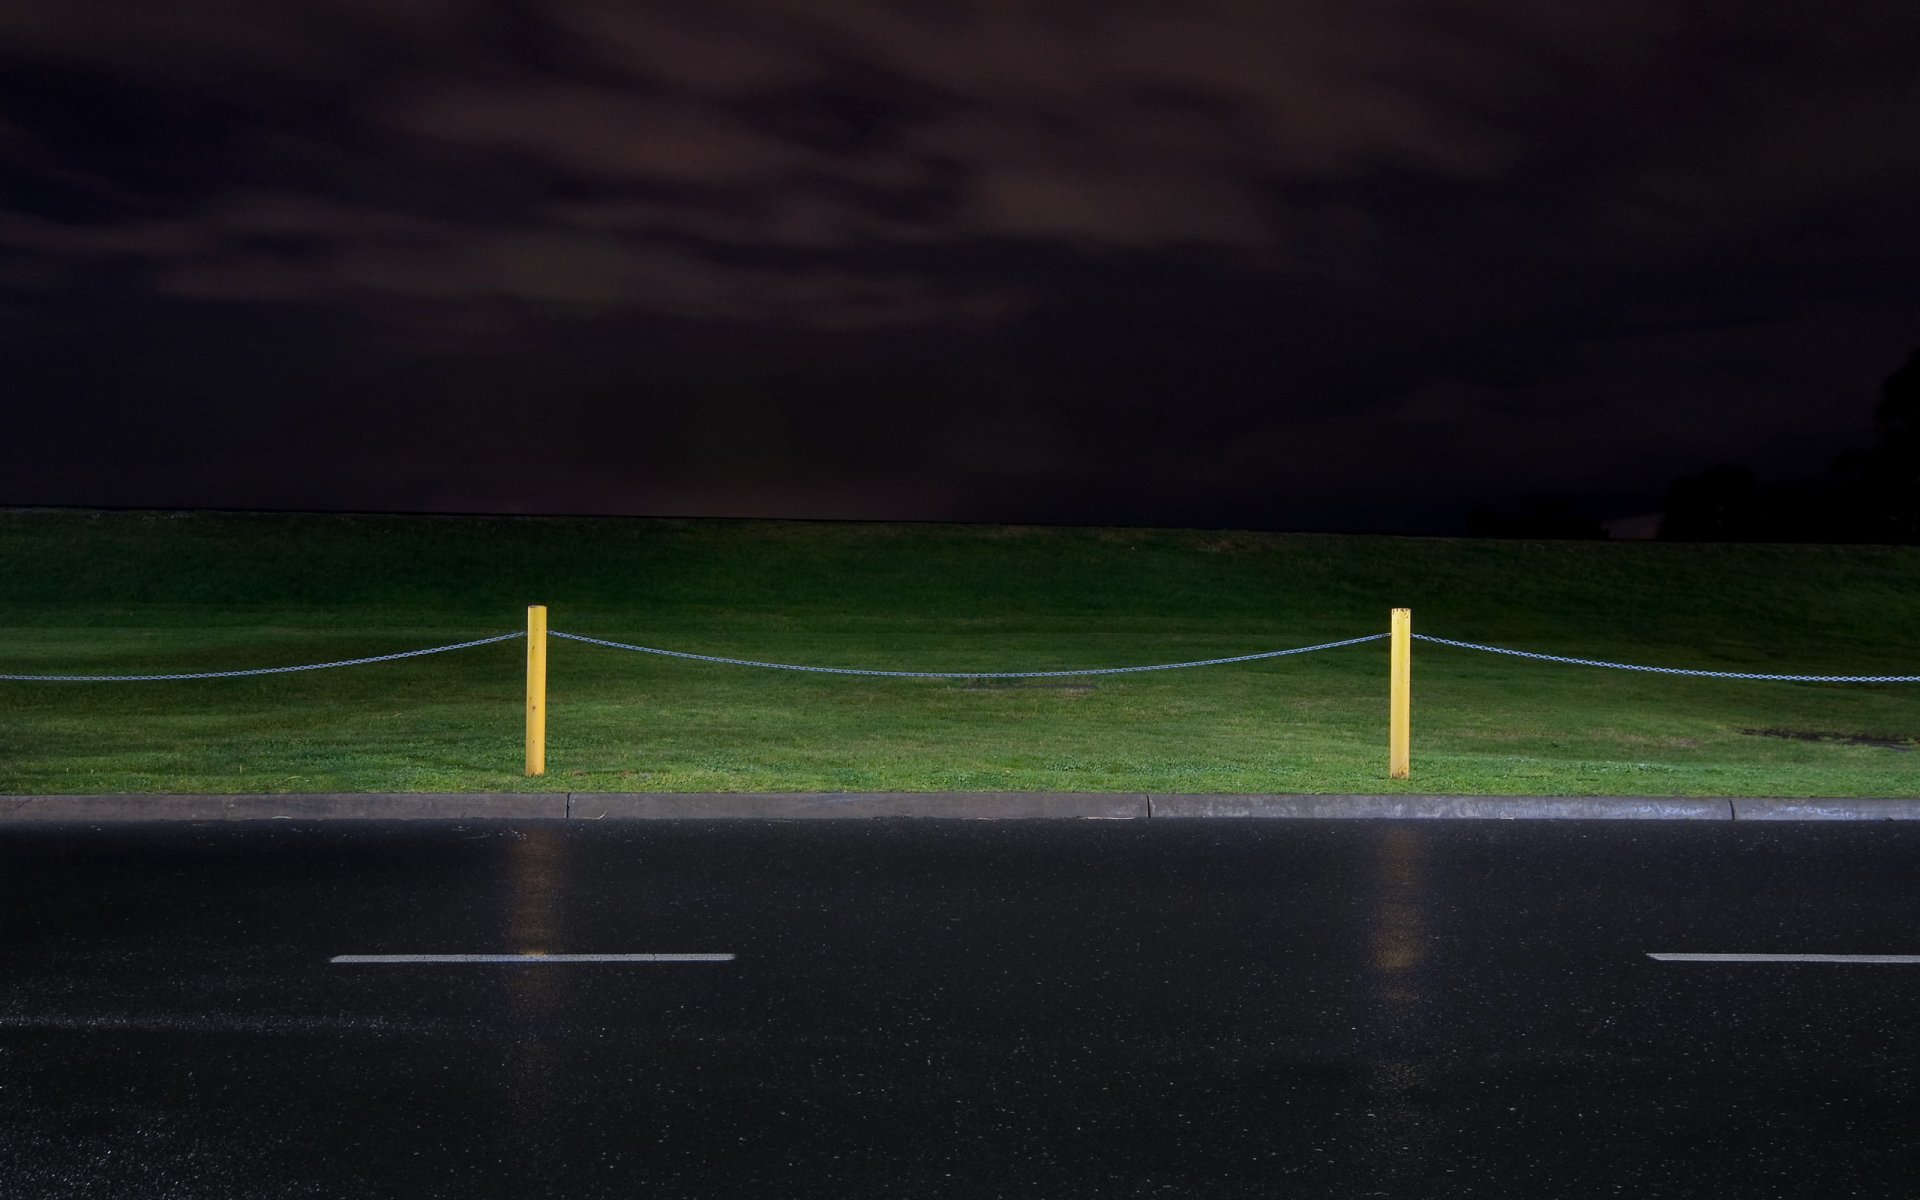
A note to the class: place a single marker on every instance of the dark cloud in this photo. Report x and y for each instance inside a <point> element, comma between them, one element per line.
<point>1276,262</point>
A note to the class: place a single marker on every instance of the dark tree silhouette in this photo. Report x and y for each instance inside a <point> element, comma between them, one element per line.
<point>1899,412</point>
<point>1892,470</point>
<point>1882,484</point>
<point>1869,495</point>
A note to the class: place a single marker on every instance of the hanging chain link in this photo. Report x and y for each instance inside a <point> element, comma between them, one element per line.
<point>345,662</point>
<point>1057,674</point>
<point>1590,662</point>
<point>748,662</point>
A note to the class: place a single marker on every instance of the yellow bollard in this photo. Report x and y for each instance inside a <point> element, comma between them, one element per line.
<point>1400,695</point>
<point>536,689</point>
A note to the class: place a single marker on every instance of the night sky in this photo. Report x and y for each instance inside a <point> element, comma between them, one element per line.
<point>1366,265</point>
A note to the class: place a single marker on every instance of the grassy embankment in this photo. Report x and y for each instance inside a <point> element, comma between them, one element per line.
<point>130,593</point>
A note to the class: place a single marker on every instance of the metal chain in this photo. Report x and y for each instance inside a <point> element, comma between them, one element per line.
<point>747,662</point>
<point>347,662</point>
<point>1589,662</point>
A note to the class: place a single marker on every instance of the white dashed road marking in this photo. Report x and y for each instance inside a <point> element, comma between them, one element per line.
<point>530,958</point>
<point>1906,959</point>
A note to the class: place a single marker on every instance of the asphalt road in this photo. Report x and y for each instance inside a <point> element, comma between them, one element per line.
<point>1034,1009</point>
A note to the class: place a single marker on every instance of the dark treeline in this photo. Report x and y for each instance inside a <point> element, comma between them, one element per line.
<point>1870,495</point>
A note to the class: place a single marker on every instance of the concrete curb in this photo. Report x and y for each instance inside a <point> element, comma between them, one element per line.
<point>978,806</point>
<point>1477,808</point>
<point>1826,810</point>
<point>386,806</point>
<point>973,806</point>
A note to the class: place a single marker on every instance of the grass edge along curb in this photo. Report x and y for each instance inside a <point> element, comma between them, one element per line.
<point>630,806</point>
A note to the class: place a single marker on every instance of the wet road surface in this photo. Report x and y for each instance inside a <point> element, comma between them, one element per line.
<point>1204,1009</point>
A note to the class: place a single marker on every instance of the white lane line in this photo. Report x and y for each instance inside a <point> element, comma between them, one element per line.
<point>1908,959</point>
<point>529,958</point>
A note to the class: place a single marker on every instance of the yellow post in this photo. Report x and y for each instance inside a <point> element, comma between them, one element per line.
<point>536,689</point>
<point>1400,695</point>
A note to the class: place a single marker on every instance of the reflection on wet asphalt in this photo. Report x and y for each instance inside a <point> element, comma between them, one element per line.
<point>1205,1009</point>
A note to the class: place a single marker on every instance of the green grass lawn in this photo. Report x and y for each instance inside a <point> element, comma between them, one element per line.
<point>134,593</point>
